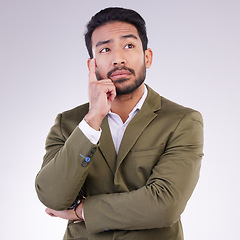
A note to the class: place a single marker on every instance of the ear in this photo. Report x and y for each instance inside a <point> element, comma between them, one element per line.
<point>148,57</point>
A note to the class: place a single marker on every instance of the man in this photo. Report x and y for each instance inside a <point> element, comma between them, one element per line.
<point>133,156</point>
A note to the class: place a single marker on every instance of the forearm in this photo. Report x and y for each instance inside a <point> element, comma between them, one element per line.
<point>156,205</point>
<point>136,210</point>
<point>62,177</point>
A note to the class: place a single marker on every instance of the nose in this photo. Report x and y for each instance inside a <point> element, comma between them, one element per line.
<point>118,58</point>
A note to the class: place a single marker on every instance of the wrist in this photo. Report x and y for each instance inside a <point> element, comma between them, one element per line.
<point>78,212</point>
<point>93,120</point>
<point>78,217</point>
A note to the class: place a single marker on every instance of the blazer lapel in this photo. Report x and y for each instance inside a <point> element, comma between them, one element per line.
<point>107,146</point>
<point>138,124</point>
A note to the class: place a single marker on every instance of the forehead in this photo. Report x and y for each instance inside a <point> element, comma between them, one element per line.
<point>113,30</point>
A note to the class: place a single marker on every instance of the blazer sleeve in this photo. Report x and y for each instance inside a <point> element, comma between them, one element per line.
<point>65,167</point>
<point>162,200</point>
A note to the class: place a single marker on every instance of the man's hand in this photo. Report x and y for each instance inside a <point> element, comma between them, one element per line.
<point>101,95</point>
<point>68,214</point>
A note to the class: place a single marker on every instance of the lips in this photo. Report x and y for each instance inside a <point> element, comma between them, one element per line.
<point>118,74</point>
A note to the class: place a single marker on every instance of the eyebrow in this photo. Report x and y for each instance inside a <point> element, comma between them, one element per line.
<point>129,36</point>
<point>103,42</point>
<point>100,43</point>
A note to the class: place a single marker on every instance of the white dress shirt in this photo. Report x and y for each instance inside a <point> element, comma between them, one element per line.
<point>116,125</point>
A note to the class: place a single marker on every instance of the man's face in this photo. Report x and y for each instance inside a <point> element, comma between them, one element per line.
<point>119,56</point>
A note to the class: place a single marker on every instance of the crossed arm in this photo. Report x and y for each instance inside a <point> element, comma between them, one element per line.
<point>158,203</point>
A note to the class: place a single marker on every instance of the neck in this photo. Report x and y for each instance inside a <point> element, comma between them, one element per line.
<point>124,104</point>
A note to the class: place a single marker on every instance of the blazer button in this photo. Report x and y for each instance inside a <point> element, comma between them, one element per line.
<point>84,164</point>
<point>90,154</point>
<point>93,150</point>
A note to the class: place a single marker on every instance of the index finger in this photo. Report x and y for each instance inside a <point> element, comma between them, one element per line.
<point>92,70</point>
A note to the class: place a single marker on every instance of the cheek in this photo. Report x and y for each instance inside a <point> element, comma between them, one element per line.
<point>140,63</point>
<point>101,71</point>
<point>138,59</point>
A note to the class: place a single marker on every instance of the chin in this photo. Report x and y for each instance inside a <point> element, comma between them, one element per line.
<point>127,89</point>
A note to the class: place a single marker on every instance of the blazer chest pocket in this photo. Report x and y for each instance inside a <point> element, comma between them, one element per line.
<point>142,162</point>
<point>148,152</point>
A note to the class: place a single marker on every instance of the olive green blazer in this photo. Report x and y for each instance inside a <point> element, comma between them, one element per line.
<point>139,193</point>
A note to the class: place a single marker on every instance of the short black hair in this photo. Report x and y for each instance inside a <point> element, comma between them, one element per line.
<point>116,14</point>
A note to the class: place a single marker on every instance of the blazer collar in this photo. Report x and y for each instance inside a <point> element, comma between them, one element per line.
<point>138,124</point>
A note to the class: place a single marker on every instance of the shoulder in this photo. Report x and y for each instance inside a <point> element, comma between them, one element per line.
<point>178,111</point>
<point>76,114</point>
<point>70,119</point>
<point>170,110</point>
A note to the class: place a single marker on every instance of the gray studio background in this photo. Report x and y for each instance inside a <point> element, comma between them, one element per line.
<point>43,72</point>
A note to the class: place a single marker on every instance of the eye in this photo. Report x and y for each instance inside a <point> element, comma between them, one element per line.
<point>104,50</point>
<point>129,46</point>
